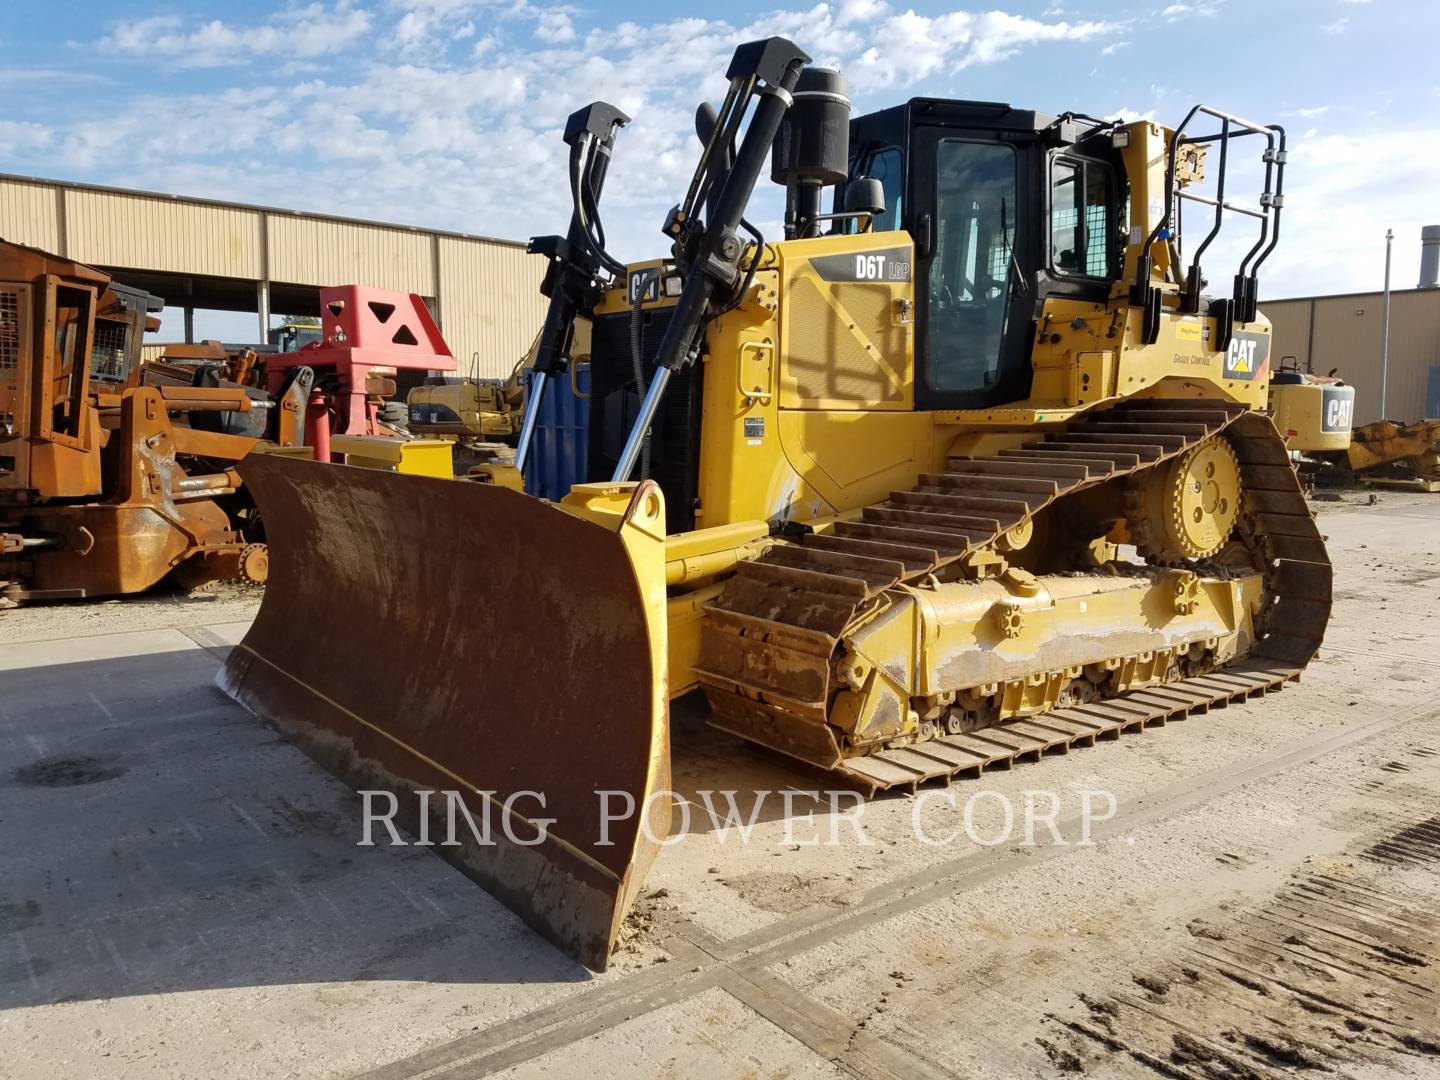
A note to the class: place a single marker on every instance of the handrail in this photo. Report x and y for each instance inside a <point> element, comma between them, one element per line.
<point>1242,305</point>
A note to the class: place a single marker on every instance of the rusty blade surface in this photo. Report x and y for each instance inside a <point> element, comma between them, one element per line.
<point>423,634</point>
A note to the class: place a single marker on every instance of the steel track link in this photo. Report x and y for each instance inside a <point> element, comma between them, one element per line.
<point>799,600</point>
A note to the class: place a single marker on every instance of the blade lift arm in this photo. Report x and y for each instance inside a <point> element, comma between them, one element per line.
<point>576,260</point>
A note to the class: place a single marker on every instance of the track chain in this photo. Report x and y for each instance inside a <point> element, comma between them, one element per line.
<point>769,639</point>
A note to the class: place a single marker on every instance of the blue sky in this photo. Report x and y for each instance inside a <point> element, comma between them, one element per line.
<point>447,112</point>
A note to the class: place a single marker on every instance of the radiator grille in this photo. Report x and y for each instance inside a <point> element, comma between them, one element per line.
<point>9,329</point>
<point>675,436</point>
<point>107,358</point>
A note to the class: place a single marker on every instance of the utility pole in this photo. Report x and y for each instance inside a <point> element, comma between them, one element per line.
<point>1385,329</point>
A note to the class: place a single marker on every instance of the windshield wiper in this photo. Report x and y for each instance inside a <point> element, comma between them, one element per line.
<point>1012,265</point>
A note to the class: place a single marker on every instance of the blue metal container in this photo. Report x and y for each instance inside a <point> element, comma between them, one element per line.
<point>562,435</point>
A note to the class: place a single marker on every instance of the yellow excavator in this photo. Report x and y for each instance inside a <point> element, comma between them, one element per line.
<point>1315,415</point>
<point>484,416</point>
<point>966,467</point>
<point>484,410</point>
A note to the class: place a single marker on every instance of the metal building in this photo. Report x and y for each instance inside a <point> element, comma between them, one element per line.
<point>203,253</point>
<point>1344,333</point>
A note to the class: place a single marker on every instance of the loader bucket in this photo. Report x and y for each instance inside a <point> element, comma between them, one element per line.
<point>433,635</point>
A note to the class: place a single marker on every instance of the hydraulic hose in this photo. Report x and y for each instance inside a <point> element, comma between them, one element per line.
<point>642,284</point>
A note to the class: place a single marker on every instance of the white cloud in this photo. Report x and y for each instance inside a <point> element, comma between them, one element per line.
<point>1185,10</point>
<point>30,77</point>
<point>470,138</point>
<point>1130,116</point>
<point>909,47</point>
<point>306,32</point>
<point>413,28</point>
<point>855,11</point>
<point>408,130</point>
<point>1339,26</point>
<point>1341,193</point>
<point>427,25</point>
<point>18,136</point>
<point>554,27</point>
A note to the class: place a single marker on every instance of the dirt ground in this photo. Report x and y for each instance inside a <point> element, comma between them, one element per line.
<point>183,895</point>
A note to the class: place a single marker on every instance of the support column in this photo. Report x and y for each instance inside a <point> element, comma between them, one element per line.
<point>189,325</point>
<point>1385,327</point>
<point>262,306</point>
<point>62,223</point>
<point>436,309</point>
<point>262,287</point>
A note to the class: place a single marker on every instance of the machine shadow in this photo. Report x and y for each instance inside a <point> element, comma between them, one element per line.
<point>159,838</point>
<point>707,763</point>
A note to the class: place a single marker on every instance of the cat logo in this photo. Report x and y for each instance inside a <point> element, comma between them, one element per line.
<point>1241,358</point>
<point>1338,413</point>
<point>1246,356</point>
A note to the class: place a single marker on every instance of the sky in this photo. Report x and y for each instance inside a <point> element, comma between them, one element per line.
<point>447,113</point>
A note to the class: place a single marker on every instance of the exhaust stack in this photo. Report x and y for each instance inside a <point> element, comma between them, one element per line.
<point>1430,257</point>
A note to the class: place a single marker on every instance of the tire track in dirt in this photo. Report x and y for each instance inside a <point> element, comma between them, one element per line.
<point>1338,972</point>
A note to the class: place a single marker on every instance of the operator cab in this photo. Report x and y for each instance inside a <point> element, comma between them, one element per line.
<point>1006,207</point>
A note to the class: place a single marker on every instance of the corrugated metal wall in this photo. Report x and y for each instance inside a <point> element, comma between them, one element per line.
<point>486,291</point>
<point>162,234</point>
<point>29,214</point>
<point>316,251</point>
<point>1343,332</point>
<point>490,304</point>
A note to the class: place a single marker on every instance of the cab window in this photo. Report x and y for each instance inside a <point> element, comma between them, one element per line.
<point>1082,224</point>
<point>969,274</point>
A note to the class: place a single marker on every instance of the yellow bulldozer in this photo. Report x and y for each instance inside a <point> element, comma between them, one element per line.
<point>967,466</point>
<point>1411,449</point>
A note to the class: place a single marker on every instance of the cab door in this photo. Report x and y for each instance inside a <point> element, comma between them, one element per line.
<point>974,217</point>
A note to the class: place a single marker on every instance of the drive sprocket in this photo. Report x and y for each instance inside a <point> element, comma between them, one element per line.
<point>1185,509</point>
<point>254,564</point>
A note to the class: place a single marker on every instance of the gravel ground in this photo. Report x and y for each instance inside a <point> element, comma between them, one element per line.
<point>161,609</point>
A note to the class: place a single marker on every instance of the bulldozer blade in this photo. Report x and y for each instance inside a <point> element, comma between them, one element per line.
<point>433,635</point>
